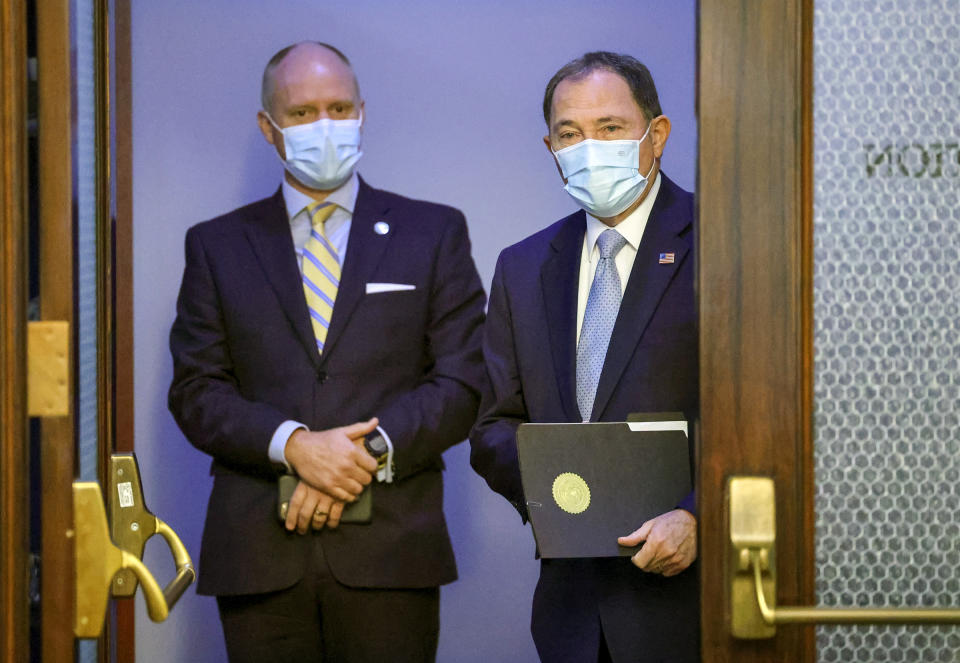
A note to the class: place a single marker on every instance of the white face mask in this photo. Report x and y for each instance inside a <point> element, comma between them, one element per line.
<point>322,154</point>
<point>602,175</point>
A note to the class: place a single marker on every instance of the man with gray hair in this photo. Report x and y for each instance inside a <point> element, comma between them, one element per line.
<point>329,333</point>
<point>592,319</point>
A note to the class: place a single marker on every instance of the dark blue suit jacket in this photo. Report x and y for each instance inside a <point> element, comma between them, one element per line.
<point>651,366</point>
<point>245,360</point>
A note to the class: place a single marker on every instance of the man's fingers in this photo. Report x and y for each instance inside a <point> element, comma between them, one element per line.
<point>361,428</point>
<point>367,462</point>
<point>670,543</point>
<point>343,487</point>
<point>336,510</point>
<point>645,557</point>
<point>363,468</point>
<point>293,509</point>
<point>317,521</point>
<point>305,516</point>
<point>637,536</point>
<point>354,488</point>
<point>322,511</point>
<point>341,494</point>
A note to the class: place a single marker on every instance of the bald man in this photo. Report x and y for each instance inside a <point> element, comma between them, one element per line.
<point>330,332</point>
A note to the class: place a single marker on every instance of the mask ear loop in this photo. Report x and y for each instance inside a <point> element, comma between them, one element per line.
<point>283,135</point>
<point>654,164</point>
<point>647,132</point>
<point>270,120</point>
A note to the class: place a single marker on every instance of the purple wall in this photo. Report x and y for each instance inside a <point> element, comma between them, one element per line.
<point>453,94</point>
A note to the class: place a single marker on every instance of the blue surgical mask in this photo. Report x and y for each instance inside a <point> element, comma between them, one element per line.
<point>322,154</point>
<point>602,175</point>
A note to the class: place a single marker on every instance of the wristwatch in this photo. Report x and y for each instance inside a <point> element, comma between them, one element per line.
<point>376,446</point>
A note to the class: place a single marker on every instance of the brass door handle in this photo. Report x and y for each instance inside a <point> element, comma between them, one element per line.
<point>131,526</point>
<point>752,570</point>
<point>97,560</point>
<point>185,571</point>
<point>773,615</point>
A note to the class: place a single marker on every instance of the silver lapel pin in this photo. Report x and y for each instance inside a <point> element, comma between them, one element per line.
<point>381,227</point>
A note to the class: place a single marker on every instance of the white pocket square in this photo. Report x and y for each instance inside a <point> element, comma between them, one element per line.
<point>373,288</point>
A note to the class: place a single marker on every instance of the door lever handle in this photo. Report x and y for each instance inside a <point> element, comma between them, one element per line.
<point>186,574</point>
<point>752,573</point>
<point>132,524</point>
<point>97,560</point>
<point>774,615</point>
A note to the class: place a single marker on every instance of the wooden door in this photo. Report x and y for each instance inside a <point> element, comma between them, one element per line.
<point>829,304</point>
<point>754,204</point>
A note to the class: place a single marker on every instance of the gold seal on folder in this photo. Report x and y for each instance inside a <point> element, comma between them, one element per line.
<point>571,492</point>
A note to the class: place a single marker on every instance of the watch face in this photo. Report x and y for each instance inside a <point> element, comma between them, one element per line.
<point>376,446</point>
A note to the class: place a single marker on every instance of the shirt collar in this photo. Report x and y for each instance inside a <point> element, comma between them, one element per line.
<point>631,227</point>
<point>344,196</point>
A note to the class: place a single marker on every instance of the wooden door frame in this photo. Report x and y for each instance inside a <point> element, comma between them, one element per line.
<point>55,112</point>
<point>754,196</point>
<point>14,459</point>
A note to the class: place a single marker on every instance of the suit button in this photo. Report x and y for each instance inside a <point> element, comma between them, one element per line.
<point>322,376</point>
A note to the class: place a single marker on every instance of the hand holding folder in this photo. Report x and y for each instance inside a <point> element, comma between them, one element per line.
<point>669,543</point>
<point>588,484</point>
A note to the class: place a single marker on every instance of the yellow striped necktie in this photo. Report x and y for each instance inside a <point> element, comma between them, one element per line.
<point>321,272</point>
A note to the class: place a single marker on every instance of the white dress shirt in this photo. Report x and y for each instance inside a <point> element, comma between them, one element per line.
<point>337,231</point>
<point>632,229</point>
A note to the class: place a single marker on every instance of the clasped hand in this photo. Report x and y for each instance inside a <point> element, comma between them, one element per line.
<point>670,543</point>
<point>333,467</point>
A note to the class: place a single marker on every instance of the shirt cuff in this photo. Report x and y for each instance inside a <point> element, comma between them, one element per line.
<point>279,442</point>
<point>385,474</point>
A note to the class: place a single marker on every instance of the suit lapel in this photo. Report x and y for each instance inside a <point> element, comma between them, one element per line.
<point>272,242</point>
<point>559,280</point>
<point>648,281</point>
<point>364,250</point>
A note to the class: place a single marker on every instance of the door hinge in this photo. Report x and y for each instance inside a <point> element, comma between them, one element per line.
<point>48,368</point>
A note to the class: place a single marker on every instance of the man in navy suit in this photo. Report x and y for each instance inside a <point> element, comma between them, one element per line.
<point>331,331</point>
<point>592,319</point>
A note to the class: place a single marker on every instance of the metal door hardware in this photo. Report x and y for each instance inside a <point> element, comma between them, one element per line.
<point>132,525</point>
<point>97,561</point>
<point>48,368</point>
<point>752,571</point>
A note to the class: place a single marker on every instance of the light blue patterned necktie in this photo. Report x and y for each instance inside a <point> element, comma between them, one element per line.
<point>603,304</point>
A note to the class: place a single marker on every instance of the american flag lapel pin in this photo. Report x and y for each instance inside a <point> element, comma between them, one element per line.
<point>666,258</point>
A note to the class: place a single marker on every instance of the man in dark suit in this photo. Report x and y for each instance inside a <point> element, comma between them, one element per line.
<point>332,331</point>
<point>592,319</point>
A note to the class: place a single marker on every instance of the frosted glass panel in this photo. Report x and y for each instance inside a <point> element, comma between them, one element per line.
<point>887,320</point>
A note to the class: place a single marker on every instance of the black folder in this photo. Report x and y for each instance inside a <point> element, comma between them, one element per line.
<point>587,484</point>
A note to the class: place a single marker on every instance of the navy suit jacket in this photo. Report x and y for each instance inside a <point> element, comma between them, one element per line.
<point>245,360</point>
<point>650,366</point>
